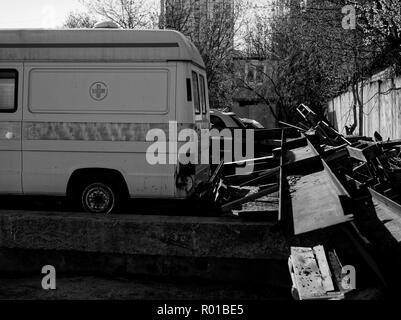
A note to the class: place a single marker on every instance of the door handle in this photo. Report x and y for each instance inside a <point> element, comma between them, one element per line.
<point>9,135</point>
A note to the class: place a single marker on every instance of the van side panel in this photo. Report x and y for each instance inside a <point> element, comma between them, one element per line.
<point>93,115</point>
<point>61,90</point>
<point>10,131</point>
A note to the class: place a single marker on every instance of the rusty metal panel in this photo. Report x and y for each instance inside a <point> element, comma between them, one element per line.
<point>312,198</point>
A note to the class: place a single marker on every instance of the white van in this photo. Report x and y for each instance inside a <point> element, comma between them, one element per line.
<point>76,106</point>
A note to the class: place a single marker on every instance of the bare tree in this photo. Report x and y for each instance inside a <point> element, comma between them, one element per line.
<point>212,26</point>
<point>128,14</point>
<point>79,20</point>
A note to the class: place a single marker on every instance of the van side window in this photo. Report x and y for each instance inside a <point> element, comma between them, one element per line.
<point>195,85</point>
<point>189,90</point>
<point>8,90</point>
<point>203,93</point>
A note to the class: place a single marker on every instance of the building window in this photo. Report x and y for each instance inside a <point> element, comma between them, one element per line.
<point>255,72</point>
<point>249,73</point>
<point>259,73</point>
<point>8,90</point>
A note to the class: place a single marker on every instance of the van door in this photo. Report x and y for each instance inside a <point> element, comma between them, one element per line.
<point>10,128</point>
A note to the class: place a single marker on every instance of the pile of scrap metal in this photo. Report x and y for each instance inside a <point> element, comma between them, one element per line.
<point>251,196</point>
<point>370,162</point>
<point>296,186</point>
<point>254,194</point>
<point>293,186</point>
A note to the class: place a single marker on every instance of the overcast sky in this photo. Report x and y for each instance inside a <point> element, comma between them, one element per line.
<point>39,13</point>
<point>35,13</point>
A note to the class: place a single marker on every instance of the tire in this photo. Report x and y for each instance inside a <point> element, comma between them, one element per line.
<point>99,197</point>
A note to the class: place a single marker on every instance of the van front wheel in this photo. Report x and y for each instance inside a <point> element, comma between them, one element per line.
<point>98,197</point>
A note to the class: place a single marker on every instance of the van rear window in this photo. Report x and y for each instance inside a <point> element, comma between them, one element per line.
<point>195,90</point>
<point>8,90</point>
<point>203,93</point>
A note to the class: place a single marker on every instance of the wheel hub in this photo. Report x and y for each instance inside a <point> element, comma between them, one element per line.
<point>98,198</point>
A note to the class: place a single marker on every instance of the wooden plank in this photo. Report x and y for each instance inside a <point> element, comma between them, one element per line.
<point>292,126</point>
<point>257,212</point>
<point>216,172</point>
<point>356,154</point>
<point>255,160</point>
<point>324,268</point>
<point>253,196</point>
<point>269,173</point>
<point>237,179</point>
<point>364,154</point>
<point>299,154</point>
<point>262,209</point>
<point>337,277</point>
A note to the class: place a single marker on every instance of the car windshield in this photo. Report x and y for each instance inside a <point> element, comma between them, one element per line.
<point>238,121</point>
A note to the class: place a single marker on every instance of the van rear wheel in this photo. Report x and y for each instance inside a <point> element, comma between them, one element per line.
<point>97,191</point>
<point>99,197</point>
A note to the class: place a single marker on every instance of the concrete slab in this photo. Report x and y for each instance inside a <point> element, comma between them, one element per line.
<point>223,237</point>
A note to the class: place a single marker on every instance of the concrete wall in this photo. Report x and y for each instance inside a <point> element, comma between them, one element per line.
<point>381,108</point>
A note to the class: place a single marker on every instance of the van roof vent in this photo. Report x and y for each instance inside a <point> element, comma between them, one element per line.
<point>106,25</point>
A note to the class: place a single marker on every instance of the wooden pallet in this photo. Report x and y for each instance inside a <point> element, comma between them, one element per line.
<point>315,277</point>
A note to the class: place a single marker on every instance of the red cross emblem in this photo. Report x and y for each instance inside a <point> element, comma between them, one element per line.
<point>98,91</point>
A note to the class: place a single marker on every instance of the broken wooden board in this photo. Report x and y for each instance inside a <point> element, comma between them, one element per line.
<point>239,179</point>
<point>310,274</point>
<point>250,197</point>
<point>268,174</point>
<point>301,154</point>
<point>324,268</point>
<point>262,209</point>
<point>257,213</point>
<point>364,153</point>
